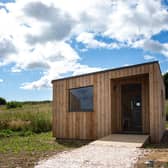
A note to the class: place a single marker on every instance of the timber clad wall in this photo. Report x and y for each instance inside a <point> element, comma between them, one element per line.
<point>107,117</point>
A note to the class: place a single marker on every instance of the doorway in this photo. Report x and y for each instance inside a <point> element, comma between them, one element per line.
<point>131,108</point>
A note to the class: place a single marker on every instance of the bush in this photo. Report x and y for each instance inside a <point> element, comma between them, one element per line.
<point>3,124</point>
<point>2,101</point>
<point>40,122</point>
<point>6,133</point>
<point>13,104</point>
<point>18,125</point>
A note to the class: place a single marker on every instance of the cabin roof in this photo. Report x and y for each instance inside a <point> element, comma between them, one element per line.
<point>107,70</point>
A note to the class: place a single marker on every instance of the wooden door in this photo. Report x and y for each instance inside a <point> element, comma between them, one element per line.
<point>131,108</point>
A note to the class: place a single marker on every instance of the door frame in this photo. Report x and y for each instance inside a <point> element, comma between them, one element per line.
<point>116,114</point>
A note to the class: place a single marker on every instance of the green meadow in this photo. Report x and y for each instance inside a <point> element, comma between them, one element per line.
<point>25,135</point>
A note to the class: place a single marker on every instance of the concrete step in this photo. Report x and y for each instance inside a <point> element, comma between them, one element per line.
<point>123,140</point>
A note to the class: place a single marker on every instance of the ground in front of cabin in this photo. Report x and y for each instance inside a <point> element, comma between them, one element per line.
<point>95,155</point>
<point>106,155</point>
<point>157,153</point>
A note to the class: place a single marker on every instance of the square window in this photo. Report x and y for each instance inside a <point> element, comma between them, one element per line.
<point>81,99</point>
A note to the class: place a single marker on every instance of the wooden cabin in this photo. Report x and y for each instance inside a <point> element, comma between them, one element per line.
<point>123,100</point>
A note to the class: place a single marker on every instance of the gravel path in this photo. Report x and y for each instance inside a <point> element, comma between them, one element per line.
<point>94,155</point>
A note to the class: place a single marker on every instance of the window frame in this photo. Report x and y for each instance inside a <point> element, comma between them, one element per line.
<point>69,109</point>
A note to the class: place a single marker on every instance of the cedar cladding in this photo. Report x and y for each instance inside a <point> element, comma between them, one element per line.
<point>106,117</point>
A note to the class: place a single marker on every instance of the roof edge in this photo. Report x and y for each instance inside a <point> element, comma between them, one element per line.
<point>107,70</point>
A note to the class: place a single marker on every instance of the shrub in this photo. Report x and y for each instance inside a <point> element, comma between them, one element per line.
<point>6,133</point>
<point>2,101</point>
<point>25,133</point>
<point>41,122</point>
<point>18,125</point>
<point>13,104</point>
<point>3,124</point>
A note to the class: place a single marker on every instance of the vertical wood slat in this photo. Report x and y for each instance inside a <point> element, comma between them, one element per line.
<point>54,117</point>
<point>70,116</point>
<point>107,102</point>
<point>77,122</point>
<point>67,111</point>
<point>81,117</point>
<point>113,107</point>
<point>155,101</point>
<point>84,125</point>
<point>58,110</point>
<point>95,96</point>
<point>109,131</point>
<point>151,102</point>
<point>98,105</point>
<point>63,119</point>
<point>103,115</point>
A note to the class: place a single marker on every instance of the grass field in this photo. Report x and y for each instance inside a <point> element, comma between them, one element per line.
<point>25,135</point>
<point>32,117</point>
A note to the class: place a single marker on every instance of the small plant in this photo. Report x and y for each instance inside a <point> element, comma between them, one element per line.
<point>13,104</point>
<point>6,133</point>
<point>2,101</point>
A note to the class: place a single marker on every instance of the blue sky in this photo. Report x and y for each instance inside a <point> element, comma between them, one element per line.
<point>44,40</point>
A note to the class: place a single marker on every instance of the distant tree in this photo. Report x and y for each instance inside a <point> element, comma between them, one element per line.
<point>13,104</point>
<point>2,101</point>
<point>165,76</point>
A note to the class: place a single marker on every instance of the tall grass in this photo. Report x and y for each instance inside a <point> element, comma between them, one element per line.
<point>30,117</point>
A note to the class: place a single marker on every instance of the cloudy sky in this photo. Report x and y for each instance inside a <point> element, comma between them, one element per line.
<point>43,40</point>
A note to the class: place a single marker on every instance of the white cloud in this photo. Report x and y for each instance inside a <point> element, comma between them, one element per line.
<point>133,20</point>
<point>152,46</point>
<point>6,47</point>
<point>58,24</point>
<point>1,80</point>
<point>57,71</point>
<point>89,40</point>
<point>149,57</point>
<point>35,34</point>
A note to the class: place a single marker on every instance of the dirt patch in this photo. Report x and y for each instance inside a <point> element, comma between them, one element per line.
<point>23,159</point>
<point>158,156</point>
<point>158,153</point>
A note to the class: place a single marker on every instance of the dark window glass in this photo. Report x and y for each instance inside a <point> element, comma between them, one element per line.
<point>81,99</point>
